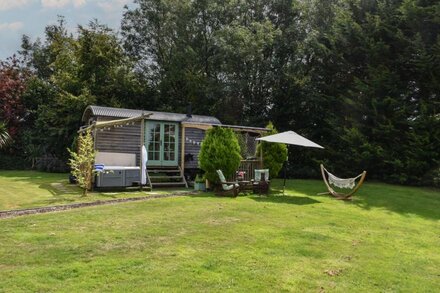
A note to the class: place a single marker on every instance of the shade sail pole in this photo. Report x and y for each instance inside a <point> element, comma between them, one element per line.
<point>289,138</point>
<point>285,169</point>
<point>284,184</point>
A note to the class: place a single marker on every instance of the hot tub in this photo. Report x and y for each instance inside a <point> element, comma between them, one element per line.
<point>118,176</point>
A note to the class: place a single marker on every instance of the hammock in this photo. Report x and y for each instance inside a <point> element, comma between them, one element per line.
<point>348,183</point>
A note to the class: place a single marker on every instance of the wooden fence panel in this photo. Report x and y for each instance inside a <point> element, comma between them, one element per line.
<point>248,167</point>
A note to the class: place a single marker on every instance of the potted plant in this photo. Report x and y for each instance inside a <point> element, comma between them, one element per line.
<point>199,183</point>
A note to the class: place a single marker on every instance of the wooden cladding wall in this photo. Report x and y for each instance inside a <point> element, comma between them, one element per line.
<point>125,139</point>
<point>193,138</point>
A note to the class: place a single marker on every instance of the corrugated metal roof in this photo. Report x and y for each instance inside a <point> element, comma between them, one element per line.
<point>237,127</point>
<point>163,116</point>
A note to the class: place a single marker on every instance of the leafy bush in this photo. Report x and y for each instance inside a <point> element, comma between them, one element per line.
<point>4,135</point>
<point>50,163</point>
<point>11,162</point>
<point>199,179</point>
<point>220,151</point>
<point>274,154</point>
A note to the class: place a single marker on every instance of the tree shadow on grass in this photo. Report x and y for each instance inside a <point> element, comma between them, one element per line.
<point>55,184</point>
<point>60,188</point>
<point>404,200</point>
<point>274,198</point>
<point>287,199</point>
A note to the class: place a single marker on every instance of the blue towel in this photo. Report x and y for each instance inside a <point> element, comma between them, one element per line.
<point>99,167</point>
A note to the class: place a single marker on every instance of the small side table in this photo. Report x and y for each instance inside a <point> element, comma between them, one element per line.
<point>260,187</point>
<point>245,185</point>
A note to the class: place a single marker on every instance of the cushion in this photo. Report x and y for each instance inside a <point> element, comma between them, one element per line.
<point>258,173</point>
<point>225,187</point>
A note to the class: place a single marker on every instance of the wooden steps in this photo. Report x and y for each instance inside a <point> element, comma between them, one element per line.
<point>164,170</point>
<point>166,176</point>
<point>164,184</point>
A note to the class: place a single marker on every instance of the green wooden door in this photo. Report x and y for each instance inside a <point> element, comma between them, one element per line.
<point>170,141</point>
<point>161,139</point>
<point>153,142</point>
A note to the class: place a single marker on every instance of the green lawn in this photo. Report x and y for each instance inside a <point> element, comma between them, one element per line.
<point>386,240</point>
<point>26,189</point>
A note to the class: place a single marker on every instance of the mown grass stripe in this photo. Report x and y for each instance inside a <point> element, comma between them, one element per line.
<point>57,208</point>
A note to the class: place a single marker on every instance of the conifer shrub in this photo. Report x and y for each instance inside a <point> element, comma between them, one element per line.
<point>274,154</point>
<point>220,151</point>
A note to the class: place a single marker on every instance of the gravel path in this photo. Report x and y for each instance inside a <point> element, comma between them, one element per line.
<point>57,208</point>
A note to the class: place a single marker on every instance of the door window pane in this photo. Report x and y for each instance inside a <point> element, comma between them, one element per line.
<point>170,142</point>
<point>161,141</point>
<point>153,141</point>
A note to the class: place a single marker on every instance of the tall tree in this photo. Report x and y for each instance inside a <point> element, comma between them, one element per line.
<point>217,56</point>
<point>361,76</point>
<point>105,70</point>
<point>12,85</point>
<point>71,73</point>
<point>369,58</point>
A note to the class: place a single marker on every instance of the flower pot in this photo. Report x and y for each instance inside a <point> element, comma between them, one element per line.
<point>200,186</point>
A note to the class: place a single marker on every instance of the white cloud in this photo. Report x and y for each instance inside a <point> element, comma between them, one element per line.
<point>112,5</point>
<point>62,3</point>
<point>54,3</point>
<point>13,26</point>
<point>79,3</point>
<point>11,4</point>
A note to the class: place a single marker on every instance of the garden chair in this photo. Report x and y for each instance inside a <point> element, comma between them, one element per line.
<point>349,183</point>
<point>261,182</point>
<point>227,187</point>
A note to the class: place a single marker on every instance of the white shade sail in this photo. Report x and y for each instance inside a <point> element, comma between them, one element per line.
<point>290,137</point>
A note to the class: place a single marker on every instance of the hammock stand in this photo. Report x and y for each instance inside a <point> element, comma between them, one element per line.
<point>340,195</point>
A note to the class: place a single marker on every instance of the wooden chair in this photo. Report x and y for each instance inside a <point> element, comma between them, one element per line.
<point>329,178</point>
<point>261,183</point>
<point>227,188</point>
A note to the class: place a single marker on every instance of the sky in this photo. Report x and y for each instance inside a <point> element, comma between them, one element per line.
<point>30,17</point>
